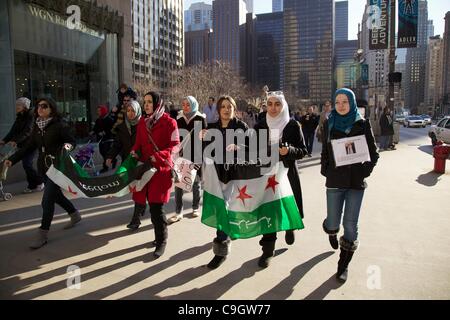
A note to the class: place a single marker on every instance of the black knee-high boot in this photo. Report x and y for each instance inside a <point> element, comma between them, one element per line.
<point>268,248</point>
<point>332,236</point>
<point>160,224</point>
<point>347,250</point>
<point>135,221</point>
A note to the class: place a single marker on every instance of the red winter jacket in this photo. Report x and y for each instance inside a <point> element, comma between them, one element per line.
<point>165,135</point>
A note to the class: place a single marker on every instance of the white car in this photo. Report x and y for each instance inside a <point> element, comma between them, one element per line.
<point>440,131</point>
<point>426,118</point>
<point>414,121</point>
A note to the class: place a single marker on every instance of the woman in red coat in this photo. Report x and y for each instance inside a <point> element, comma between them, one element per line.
<point>157,136</point>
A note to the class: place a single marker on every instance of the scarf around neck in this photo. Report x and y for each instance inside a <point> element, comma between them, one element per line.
<point>344,123</point>
<point>138,111</point>
<point>42,123</point>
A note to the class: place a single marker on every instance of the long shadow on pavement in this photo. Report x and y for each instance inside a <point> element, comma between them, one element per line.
<point>140,276</point>
<point>285,288</point>
<point>429,179</point>
<point>214,291</point>
<point>16,284</point>
<point>321,292</point>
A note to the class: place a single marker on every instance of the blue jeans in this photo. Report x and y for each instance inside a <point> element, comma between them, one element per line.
<point>52,195</point>
<point>336,198</point>
<point>33,178</point>
<point>195,193</point>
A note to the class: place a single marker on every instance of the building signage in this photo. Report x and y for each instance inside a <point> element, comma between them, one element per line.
<point>378,24</point>
<point>57,19</point>
<point>407,23</point>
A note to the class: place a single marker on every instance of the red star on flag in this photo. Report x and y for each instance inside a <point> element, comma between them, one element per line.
<point>71,191</point>
<point>132,189</point>
<point>272,183</point>
<point>243,194</point>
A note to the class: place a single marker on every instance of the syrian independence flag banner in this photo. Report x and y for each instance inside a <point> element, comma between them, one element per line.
<point>241,202</point>
<point>71,177</point>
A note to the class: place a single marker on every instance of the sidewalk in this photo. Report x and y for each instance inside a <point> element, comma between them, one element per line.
<point>404,251</point>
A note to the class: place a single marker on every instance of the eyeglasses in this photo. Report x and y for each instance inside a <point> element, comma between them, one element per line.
<point>126,100</point>
<point>43,106</point>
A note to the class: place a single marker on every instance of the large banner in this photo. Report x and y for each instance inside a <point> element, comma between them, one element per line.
<point>378,23</point>
<point>407,23</point>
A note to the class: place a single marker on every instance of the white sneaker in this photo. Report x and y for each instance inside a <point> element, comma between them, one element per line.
<point>37,189</point>
<point>195,213</point>
<point>177,217</point>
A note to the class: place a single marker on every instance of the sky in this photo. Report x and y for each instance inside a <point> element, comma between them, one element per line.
<point>436,12</point>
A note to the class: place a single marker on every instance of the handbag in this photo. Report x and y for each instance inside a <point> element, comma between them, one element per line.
<point>172,170</point>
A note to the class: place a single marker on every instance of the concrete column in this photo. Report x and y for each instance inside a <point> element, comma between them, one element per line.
<point>7,93</point>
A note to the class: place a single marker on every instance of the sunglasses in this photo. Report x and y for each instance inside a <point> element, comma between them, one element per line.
<point>275,93</point>
<point>43,106</point>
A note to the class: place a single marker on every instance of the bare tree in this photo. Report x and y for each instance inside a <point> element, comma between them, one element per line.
<point>208,79</point>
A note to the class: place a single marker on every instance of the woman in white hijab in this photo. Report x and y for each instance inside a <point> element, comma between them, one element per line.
<point>288,135</point>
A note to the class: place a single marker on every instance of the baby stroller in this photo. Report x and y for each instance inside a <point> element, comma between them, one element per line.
<point>5,152</point>
<point>85,157</point>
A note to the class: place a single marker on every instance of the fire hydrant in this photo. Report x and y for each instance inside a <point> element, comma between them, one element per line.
<point>440,154</point>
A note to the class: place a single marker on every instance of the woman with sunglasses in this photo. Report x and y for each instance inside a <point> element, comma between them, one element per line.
<point>157,137</point>
<point>50,135</point>
<point>287,134</point>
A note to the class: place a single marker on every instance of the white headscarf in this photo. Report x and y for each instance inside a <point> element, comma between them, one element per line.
<point>277,124</point>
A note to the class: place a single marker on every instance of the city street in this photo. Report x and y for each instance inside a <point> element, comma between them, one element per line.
<point>404,251</point>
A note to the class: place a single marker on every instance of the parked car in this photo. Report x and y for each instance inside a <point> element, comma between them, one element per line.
<point>440,131</point>
<point>414,121</point>
<point>426,118</point>
<point>400,118</point>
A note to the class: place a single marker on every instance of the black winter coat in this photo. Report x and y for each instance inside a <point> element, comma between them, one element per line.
<point>386,126</point>
<point>234,124</point>
<point>349,176</point>
<point>309,122</point>
<point>49,143</point>
<point>194,146</point>
<point>293,137</point>
<point>21,129</point>
<point>123,141</point>
<point>103,127</point>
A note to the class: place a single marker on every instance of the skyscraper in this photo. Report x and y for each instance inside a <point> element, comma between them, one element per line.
<point>228,17</point>
<point>308,32</point>
<point>433,75</point>
<point>158,45</point>
<point>446,68</point>
<point>341,20</point>
<point>277,5</point>
<point>345,64</point>
<point>416,61</point>
<point>270,51</point>
<point>198,17</point>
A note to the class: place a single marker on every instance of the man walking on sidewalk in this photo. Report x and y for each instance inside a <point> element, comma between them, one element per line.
<point>309,122</point>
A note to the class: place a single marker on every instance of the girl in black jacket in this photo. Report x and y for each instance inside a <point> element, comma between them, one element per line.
<point>345,184</point>
<point>50,135</point>
<point>288,135</point>
<point>226,108</point>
